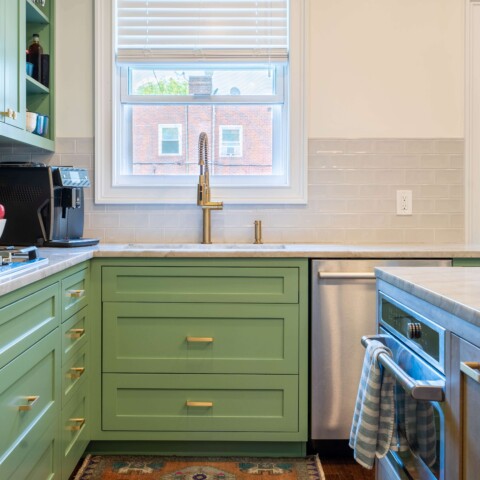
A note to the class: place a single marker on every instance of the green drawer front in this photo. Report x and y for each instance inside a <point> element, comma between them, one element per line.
<point>74,373</point>
<point>32,374</point>
<point>74,293</point>
<point>240,403</point>
<point>40,462</point>
<point>200,284</point>
<point>200,338</point>
<point>26,321</point>
<point>75,434</point>
<point>75,334</point>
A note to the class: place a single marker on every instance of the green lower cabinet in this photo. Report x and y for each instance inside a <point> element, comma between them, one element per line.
<point>207,403</point>
<point>466,262</point>
<point>29,404</point>
<point>199,351</point>
<point>42,459</point>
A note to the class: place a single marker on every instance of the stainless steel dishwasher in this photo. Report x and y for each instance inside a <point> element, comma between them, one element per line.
<point>343,309</point>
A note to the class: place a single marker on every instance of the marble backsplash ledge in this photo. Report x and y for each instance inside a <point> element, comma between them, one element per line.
<point>352,186</point>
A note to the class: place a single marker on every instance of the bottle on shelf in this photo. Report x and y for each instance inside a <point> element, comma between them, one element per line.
<point>34,56</point>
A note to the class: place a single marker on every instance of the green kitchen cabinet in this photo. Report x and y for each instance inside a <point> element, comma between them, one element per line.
<point>75,366</point>
<point>12,77</point>
<point>466,262</point>
<point>19,92</point>
<point>201,350</point>
<point>44,389</point>
<point>29,403</point>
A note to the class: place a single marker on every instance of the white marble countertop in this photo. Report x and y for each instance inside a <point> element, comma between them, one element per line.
<point>61,258</point>
<point>455,290</point>
<point>296,250</point>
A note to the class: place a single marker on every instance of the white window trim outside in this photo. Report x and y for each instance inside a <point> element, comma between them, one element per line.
<point>161,127</point>
<point>107,111</point>
<point>237,154</point>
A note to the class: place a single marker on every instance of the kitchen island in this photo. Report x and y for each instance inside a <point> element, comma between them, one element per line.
<point>440,305</point>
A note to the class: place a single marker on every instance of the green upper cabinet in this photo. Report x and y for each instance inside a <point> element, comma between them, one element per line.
<point>19,92</point>
<point>12,32</point>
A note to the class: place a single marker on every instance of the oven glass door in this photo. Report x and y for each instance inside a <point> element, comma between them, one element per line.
<point>420,424</point>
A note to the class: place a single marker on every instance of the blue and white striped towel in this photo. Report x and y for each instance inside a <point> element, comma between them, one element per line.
<point>372,432</point>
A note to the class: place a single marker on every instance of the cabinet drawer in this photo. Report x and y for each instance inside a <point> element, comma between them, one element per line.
<point>75,334</point>
<point>40,463</point>
<point>74,293</point>
<point>200,338</point>
<point>28,397</point>
<point>200,284</point>
<point>26,321</point>
<point>74,430</point>
<point>74,373</point>
<point>226,403</point>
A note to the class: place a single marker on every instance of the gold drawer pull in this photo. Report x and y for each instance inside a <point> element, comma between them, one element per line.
<point>76,332</point>
<point>79,423</point>
<point>76,372</point>
<point>199,339</point>
<point>199,404</point>
<point>75,293</point>
<point>32,400</point>
<point>472,369</point>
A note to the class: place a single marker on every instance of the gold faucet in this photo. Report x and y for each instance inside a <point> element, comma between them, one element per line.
<point>203,189</point>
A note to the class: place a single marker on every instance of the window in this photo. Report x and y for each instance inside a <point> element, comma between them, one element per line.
<point>231,140</point>
<point>163,76</point>
<point>169,140</point>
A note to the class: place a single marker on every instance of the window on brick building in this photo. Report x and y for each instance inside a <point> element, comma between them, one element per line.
<point>231,140</point>
<point>169,140</point>
<point>234,70</point>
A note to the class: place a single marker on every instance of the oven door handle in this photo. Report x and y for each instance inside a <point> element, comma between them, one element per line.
<point>433,391</point>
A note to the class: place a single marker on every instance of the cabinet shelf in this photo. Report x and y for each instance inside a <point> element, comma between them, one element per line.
<point>40,142</point>
<point>35,87</point>
<point>35,15</point>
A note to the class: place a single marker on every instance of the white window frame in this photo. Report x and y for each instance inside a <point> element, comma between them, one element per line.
<point>108,134</point>
<point>237,154</point>
<point>161,126</point>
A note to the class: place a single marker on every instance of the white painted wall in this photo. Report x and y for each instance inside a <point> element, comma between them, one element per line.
<point>378,68</point>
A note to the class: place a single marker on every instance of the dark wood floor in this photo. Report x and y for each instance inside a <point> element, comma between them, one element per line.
<point>345,469</point>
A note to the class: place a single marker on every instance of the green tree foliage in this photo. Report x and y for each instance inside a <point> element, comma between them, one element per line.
<point>169,86</point>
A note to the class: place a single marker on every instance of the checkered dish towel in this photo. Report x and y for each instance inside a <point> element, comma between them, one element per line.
<point>372,432</point>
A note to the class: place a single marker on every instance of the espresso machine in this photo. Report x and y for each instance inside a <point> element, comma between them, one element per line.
<point>44,205</point>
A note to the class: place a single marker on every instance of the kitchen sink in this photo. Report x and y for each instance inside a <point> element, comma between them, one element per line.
<point>201,246</point>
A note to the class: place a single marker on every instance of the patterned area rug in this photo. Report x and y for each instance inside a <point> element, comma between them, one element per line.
<point>120,467</point>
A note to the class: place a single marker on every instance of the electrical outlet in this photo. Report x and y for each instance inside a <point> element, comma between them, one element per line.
<point>404,202</point>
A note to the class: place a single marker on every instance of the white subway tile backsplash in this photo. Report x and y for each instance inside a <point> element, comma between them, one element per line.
<point>352,187</point>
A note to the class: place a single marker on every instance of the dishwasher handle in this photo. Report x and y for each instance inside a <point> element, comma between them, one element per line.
<point>433,391</point>
<point>346,275</point>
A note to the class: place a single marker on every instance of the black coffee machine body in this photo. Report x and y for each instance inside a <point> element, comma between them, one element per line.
<point>44,205</point>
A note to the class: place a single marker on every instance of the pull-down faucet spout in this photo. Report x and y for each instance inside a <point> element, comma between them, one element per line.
<point>203,188</point>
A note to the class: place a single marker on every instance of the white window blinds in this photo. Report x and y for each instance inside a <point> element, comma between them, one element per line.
<point>201,30</point>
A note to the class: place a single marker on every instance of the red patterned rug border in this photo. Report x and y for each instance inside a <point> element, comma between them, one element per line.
<point>312,463</point>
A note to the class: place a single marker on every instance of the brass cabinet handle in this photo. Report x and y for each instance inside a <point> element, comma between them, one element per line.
<point>75,293</point>
<point>472,369</point>
<point>9,113</point>
<point>199,404</point>
<point>79,423</point>
<point>200,339</point>
<point>76,332</point>
<point>32,400</point>
<point>76,372</point>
